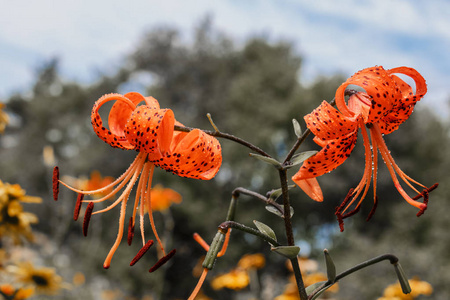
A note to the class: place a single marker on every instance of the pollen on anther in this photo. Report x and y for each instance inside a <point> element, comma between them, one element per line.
<point>76,211</point>
<point>130,231</point>
<point>55,181</point>
<point>141,252</point>
<point>372,211</point>
<point>87,217</point>
<point>162,261</point>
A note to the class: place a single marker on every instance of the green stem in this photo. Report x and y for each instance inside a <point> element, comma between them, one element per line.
<point>228,137</point>
<point>392,259</point>
<point>266,200</point>
<point>235,225</point>
<point>300,140</point>
<point>290,234</point>
<point>232,208</point>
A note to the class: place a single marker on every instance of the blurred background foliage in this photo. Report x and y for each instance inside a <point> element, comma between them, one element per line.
<point>253,89</point>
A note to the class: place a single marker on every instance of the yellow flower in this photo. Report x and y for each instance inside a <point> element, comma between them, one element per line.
<point>4,119</point>
<point>236,279</point>
<point>15,192</point>
<point>7,289</point>
<point>44,280</point>
<point>239,277</point>
<point>418,287</point>
<point>252,261</point>
<point>23,293</point>
<point>290,293</point>
<point>19,294</point>
<point>318,277</point>
<point>14,222</point>
<point>310,276</point>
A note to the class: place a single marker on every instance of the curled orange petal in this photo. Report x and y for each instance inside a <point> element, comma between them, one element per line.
<point>117,138</point>
<point>193,155</point>
<point>311,187</point>
<point>150,130</point>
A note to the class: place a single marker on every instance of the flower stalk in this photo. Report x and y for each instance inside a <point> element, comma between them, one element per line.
<point>290,234</point>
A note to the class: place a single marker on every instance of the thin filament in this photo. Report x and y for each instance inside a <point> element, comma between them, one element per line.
<point>390,165</point>
<point>225,244</point>
<point>375,164</point>
<point>142,192</point>
<point>199,284</point>
<point>132,171</point>
<point>205,245</point>
<point>108,259</point>
<point>109,185</point>
<point>402,175</point>
<point>201,241</point>
<point>365,180</point>
<point>127,191</point>
<point>148,201</point>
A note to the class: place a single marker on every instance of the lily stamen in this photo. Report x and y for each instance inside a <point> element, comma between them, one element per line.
<point>149,130</point>
<point>386,103</point>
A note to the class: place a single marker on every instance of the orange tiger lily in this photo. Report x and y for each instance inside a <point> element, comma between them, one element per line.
<point>386,103</point>
<point>150,131</point>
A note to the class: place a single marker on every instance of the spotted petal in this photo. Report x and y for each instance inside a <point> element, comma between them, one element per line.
<point>150,130</point>
<point>401,112</point>
<point>115,137</point>
<point>379,85</point>
<point>332,155</point>
<point>120,112</point>
<point>193,155</point>
<point>328,123</point>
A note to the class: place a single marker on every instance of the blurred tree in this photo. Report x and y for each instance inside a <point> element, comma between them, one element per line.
<point>252,91</point>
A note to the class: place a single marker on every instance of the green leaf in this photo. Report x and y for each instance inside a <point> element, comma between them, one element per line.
<point>276,193</point>
<point>297,128</point>
<point>319,292</point>
<point>301,157</point>
<point>266,159</point>
<point>331,268</point>
<point>311,288</point>
<point>275,211</point>
<point>263,228</point>
<point>287,251</point>
<point>402,278</point>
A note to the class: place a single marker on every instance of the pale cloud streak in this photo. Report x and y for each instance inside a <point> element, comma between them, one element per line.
<point>333,36</point>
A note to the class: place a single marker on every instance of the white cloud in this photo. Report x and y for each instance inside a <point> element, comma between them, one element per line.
<point>332,35</point>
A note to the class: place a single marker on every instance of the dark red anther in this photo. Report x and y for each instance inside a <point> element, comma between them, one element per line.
<point>87,217</point>
<point>425,194</point>
<point>352,212</point>
<point>429,190</point>
<point>130,231</point>
<point>141,252</point>
<point>372,211</point>
<point>340,220</point>
<point>338,210</point>
<point>346,200</point>
<point>76,211</point>
<point>162,261</point>
<point>55,181</point>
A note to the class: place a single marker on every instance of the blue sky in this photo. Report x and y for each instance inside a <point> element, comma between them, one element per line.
<point>333,36</point>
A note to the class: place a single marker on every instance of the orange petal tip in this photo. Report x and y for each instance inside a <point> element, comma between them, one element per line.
<point>311,187</point>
